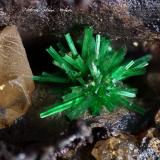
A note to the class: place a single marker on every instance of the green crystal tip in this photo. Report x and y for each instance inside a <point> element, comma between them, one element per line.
<point>95,76</point>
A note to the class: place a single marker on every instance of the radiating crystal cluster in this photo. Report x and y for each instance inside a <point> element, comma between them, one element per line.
<point>16,83</point>
<point>95,76</point>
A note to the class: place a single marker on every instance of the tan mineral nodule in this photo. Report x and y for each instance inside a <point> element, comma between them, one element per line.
<point>16,85</point>
<point>122,147</point>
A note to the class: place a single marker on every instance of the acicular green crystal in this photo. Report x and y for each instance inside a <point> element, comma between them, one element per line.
<point>96,76</point>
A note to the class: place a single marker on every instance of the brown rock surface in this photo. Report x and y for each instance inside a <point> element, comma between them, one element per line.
<point>16,83</point>
<point>118,148</point>
<point>118,19</point>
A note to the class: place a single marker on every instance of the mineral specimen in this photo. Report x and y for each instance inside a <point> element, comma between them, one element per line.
<point>16,84</point>
<point>121,147</point>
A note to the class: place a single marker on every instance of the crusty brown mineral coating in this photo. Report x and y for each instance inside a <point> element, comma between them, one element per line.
<point>16,85</point>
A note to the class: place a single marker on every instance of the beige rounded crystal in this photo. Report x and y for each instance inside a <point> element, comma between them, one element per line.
<point>16,85</point>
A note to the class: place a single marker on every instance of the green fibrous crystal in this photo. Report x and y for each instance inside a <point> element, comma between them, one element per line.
<point>96,76</point>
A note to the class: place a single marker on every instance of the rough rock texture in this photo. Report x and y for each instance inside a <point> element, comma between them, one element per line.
<point>150,145</point>
<point>119,121</point>
<point>129,147</point>
<point>126,20</point>
<point>16,85</point>
<point>118,148</point>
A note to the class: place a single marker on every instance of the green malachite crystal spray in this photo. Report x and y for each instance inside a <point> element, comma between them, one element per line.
<point>96,75</point>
